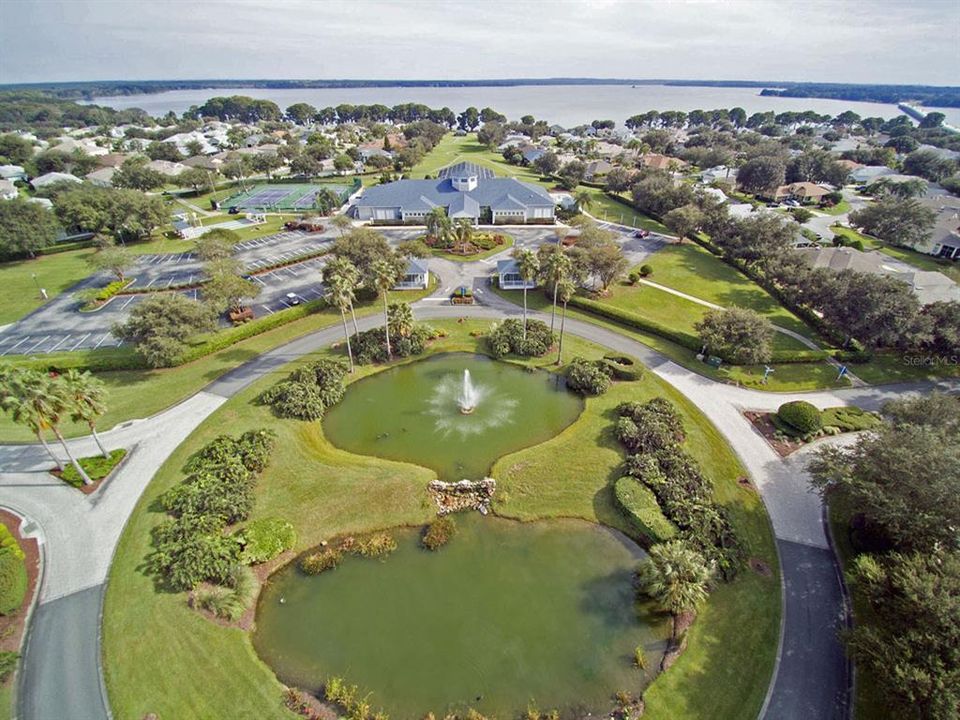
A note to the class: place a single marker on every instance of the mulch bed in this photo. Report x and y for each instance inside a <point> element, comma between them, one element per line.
<point>762,422</point>
<point>12,626</point>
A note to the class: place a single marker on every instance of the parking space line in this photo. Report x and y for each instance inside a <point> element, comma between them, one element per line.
<point>267,309</point>
<point>66,337</point>
<point>14,347</point>
<point>80,341</point>
<point>39,342</point>
<point>100,341</point>
<point>130,300</point>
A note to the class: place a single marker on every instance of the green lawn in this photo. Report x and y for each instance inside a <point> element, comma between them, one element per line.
<point>141,393</point>
<point>604,207</point>
<point>18,289</point>
<point>919,260</point>
<point>162,657</point>
<point>839,209</point>
<point>695,271</point>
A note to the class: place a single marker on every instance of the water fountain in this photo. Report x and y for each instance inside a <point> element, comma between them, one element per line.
<point>468,397</point>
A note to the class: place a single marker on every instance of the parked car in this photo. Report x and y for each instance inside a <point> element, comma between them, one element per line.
<point>640,233</point>
<point>234,210</point>
<point>293,299</point>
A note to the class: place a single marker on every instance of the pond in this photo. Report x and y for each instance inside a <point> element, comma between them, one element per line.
<point>413,413</point>
<point>507,614</point>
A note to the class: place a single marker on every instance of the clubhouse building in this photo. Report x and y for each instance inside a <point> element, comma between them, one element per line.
<point>464,190</point>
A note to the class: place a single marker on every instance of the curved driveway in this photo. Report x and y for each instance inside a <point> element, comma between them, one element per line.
<point>61,675</point>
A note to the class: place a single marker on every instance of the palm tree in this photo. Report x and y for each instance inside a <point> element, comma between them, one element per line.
<point>342,223</point>
<point>556,267</point>
<point>583,199</point>
<point>527,266</point>
<point>676,577</point>
<point>87,395</point>
<point>14,399</point>
<point>341,267</point>
<point>565,290</point>
<point>385,275</point>
<point>438,224</point>
<point>340,293</point>
<point>462,234</point>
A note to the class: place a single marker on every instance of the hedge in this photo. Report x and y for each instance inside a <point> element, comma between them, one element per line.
<point>13,582</point>
<point>623,367</point>
<point>67,247</point>
<point>801,415</point>
<point>626,317</point>
<point>8,543</point>
<point>786,357</point>
<point>638,503</point>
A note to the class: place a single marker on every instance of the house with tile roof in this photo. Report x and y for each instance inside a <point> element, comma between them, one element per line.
<point>464,190</point>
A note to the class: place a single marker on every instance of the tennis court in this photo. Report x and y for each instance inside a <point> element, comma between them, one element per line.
<point>277,197</point>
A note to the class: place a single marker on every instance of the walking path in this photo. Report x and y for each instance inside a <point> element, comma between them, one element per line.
<point>61,674</point>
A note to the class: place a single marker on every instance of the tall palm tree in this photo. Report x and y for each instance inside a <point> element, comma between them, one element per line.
<point>15,399</point>
<point>87,395</point>
<point>676,577</point>
<point>556,267</point>
<point>527,266</point>
<point>565,290</point>
<point>401,318</point>
<point>462,232</point>
<point>339,293</point>
<point>349,275</point>
<point>583,199</point>
<point>438,224</point>
<point>385,275</point>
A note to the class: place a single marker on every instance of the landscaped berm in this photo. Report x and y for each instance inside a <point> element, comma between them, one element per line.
<point>308,563</point>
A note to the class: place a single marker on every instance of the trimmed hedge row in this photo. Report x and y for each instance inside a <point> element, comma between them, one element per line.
<point>638,503</point>
<point>692,342</point>
<point>13,572</point>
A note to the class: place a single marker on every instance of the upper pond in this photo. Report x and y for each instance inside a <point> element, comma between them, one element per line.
<point>507,614</point>
<point>412,413</point>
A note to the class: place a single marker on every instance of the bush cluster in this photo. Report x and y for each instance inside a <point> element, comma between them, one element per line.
<point>13,572</point>
<point>639,505</point>
<point>588,377</point>
<point>8,663</point>
<point>622,367</point>
<point>232,601</point>
<point>320,561</point>
<point>308,391</point>
<point>652,433</point>
<point>374,545</point>
<point>506,337</point>
<point>264,539</point>
<point>370,346</point>
<point>191,546</point>
<point>438,532</point>
<point>801,416</point>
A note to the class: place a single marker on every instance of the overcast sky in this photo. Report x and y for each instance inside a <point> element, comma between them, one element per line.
<point>882,41</point>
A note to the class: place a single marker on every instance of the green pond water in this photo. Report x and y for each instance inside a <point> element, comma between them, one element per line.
<point>411,413</point>
<point>507,614</point>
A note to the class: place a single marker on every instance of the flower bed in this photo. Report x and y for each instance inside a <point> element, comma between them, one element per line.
<point>786,439</point>
<point>97,467</point>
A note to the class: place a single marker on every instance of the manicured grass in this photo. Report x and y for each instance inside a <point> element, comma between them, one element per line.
<point>18,290</point>
<point>96,467</point>
<point>141,393</point>
<point>839,209</point>
<point>794,377</point>
<point>482,255</point>
<point>692,270</point>
<point>604,207</point>
<point>162,657</point>
<point>919,260</point>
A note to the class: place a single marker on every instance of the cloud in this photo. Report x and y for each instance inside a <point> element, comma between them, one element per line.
<point>888,42</point>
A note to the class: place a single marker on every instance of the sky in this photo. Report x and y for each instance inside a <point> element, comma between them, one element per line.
<point>881,41</point>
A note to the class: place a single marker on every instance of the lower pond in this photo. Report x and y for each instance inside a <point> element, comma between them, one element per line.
<point>505,616</point>
<point>414,413</point>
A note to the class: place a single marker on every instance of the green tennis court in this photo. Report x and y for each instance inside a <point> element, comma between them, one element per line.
<point>297,197</point>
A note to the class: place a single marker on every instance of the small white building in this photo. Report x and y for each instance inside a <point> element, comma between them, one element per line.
<point>509,276</point>
<point>51,178</point>
<point>12,173</point>
<point>102,177</point>
<point>416,276</point>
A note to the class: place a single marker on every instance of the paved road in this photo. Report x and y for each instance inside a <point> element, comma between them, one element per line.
<point>60,677</point>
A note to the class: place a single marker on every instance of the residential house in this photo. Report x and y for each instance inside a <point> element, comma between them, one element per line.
<point>509,276</point>
<point>866,174</point>
<point>849,165</point>
<point>662,162</point>
<point>531,154</point>
<point>8,191</point>
<point>165,167</point>
<point>113,160</point>
<point>944,240</point>
<point>607,149</point>
<point>68,146</point>
<point>51,178</point>
<point>718,173</point>
<point>204,162</point>
<point>416,276</point>
<point>596,170</point>
<point>464,190</point>
<point>102,177</point>
<point>804,192</point>
<point>13,173</point>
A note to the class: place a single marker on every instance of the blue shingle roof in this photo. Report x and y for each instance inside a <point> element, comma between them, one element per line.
<point>424,195</point>
<point>464,170</point>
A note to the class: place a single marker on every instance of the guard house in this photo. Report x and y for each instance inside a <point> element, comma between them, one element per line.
<point>509,276</point>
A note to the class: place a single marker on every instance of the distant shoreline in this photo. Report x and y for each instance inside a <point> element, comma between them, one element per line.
<point>925,95</point>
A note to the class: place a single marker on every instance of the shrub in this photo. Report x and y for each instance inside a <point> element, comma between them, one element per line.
<point>13,580</point>
<point>646,270</point>
<point>633,278</point>
<point>649,426</point>
<point>801,415</point>
<point>191,549</point>
<point>587,377</point>
<point>639,504</point>
<point>8,663</point>
<point>506,337</point>
<point>308,391</point>
<point>97,467</point>
<point>266,538</point>
<point>375,545</point>
<point>438,533</point>
<point>849,419</point>
<point>622,367</point>
<point>205,494</point>
<point>738,335</point>
<point>370,346</point>
<point>320,561</point>
<point>8,543</point>
<point>231,602</point>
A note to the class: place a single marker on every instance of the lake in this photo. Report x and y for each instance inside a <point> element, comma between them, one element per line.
<point>566,105</point>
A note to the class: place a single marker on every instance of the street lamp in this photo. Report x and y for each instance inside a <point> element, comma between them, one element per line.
<point>37,283</point>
